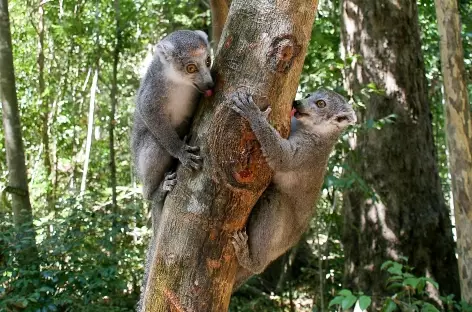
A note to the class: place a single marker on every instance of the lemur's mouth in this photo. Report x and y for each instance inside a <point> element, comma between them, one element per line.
<point>198,89</point>
<point>346,118</point>
<point>299,114</point>
<point>341,119</point>
<point>296,110</point>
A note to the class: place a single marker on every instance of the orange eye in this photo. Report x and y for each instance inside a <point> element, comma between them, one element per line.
<point>208,61</point>
<point>321,104</point>
<point>191,68</point>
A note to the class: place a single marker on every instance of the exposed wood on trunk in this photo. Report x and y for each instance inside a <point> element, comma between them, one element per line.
<point>459,135</point>
<point>262,50</point>
<point>408,217</point>
<point>17,176</point>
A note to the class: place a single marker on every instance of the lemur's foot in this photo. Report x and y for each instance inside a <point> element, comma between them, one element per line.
<point>170,180</point>
<point>241,248</point>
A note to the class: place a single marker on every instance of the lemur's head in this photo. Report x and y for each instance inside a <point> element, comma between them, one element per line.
<point>324,111</point>
<point>187,54</point>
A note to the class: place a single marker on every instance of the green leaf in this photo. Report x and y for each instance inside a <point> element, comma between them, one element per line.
<point>21,303</point>
<point>386,264</point>
<point>364,302</point>
<point>394,285</point>
<point>421,285</point>
<point>396,269</point>
<point>394,278</point>
<point>345,292</point>
<point>348,302</point>
<point>411,281</point>
<point>46,289</point>
<point>428,307</point>
<point>336,300</point>
<point>389,306</point>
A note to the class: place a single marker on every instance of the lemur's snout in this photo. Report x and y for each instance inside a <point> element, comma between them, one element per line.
<point>209,85</point>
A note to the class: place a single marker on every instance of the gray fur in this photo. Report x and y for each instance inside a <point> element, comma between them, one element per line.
<point>284,210</point>
<point>165,104</point>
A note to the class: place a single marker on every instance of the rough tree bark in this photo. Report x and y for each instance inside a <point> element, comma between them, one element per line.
<point>262,50</point>
<point>18,182</point>
<point>409,217</point>
<point>459,135</point>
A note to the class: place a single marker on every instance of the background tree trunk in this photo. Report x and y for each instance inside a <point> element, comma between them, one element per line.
<point>261,50</point>
<point>405,213</point>
<point>113,102</point>
<point>88,142</point>
<point>18,182</point>
<point>459,135</point>
<point>44,109</point>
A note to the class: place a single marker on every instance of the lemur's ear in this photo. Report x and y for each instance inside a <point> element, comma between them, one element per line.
<point>165,47</point>
<point>203,35</point>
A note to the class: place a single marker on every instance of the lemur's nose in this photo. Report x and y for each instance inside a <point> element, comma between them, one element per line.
<point>210,85</point>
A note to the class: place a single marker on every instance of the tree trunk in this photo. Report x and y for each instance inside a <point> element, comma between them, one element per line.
<point>261,50</point>
<point>405,213</point>
<point>113,100</point>
<point>88,143</point>
<point>18,181</point>
<point>459,135</point>
<point>44,109</point>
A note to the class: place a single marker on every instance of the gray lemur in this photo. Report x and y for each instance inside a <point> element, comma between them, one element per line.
<point>283,212</point>
<point>166,102</point>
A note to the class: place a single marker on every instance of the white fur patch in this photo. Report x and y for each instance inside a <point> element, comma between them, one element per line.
<point>182,103</point>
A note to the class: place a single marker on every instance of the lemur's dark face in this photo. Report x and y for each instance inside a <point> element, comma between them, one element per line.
<point>324,111</point>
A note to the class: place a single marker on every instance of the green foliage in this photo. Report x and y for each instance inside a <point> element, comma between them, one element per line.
<point>90,260</point>
<point>409,293</point>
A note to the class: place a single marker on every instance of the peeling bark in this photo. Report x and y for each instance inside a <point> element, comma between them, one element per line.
<point>262,50</point>
<point>408,217</point>
<point>459,135</point>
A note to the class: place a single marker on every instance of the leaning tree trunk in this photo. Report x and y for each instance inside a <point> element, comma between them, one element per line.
<point>459,135</point>
<point>17,178</point>
<point>407,216</point>
<point>261,50</point>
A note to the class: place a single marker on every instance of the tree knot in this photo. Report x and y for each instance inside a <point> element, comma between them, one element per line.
<point>282,52</point>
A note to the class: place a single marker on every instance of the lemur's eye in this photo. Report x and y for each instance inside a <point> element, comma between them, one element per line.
<point>321,104</point>
<point>208,61</point>
<point>191,68</point>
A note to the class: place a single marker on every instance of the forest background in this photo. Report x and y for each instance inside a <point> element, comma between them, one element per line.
<point>77,67</point>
